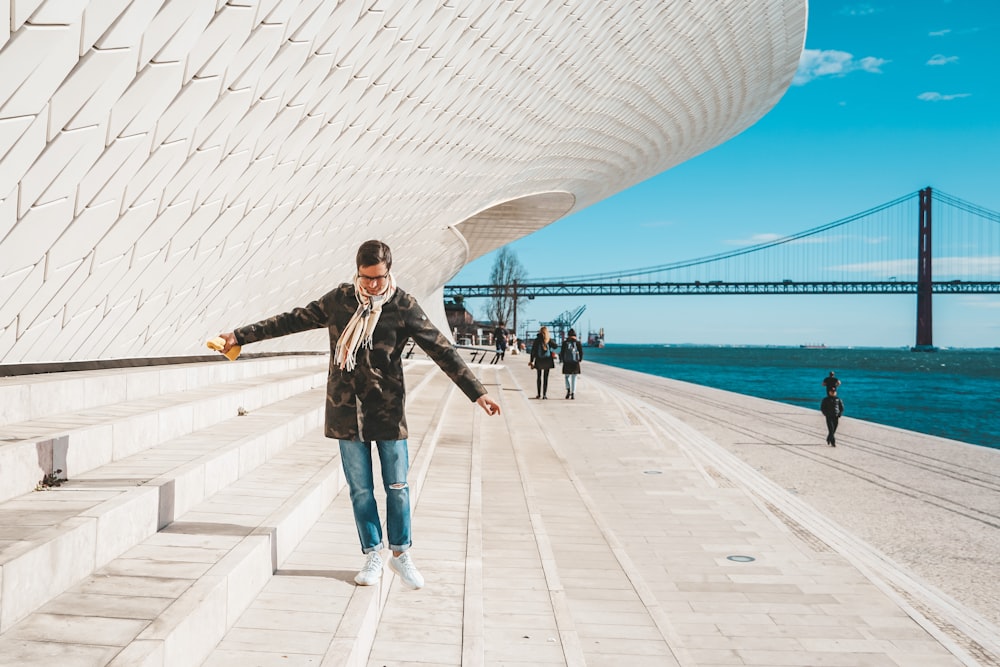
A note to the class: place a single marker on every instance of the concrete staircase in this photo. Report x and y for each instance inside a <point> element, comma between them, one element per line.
<point>165,496</point>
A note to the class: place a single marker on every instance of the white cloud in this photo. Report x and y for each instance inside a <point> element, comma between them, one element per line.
<point>768,237</point>
<point>904,269</point>
<point>980,301</point>
<point>755,239</point>
<point>815,63</point>
<point>871,64</point>
<point>938,97</point>
<point>939,33</point>
<point>858,10</point>
<point>939,59</point>
<point>944,268</point>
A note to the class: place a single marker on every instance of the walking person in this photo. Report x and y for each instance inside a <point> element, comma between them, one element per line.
<point>571,354</point>
<point>831,381</point>
<point>542,359</point>
<point>832,408</point>
<point>370,320</point>
<point>500,339</point>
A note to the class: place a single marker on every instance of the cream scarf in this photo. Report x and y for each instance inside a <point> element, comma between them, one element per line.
<point>358,332</point>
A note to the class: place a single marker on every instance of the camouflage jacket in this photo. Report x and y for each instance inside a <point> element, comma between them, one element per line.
<point>368,403</point>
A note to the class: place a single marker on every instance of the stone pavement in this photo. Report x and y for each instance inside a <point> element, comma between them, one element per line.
<point>646,522</point>
<point>599,531</point>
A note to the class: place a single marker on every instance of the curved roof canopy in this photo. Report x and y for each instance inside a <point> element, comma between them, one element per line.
<point>172,169</point>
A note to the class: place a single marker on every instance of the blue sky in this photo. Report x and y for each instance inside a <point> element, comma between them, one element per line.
<point>890,97</point>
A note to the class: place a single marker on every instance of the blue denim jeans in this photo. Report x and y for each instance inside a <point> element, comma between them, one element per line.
<point>570,382</point>
<point>394,458</point>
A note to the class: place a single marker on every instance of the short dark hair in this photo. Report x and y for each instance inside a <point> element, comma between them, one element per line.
<point>373,252</point>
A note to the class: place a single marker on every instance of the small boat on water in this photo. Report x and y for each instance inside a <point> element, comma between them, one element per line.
<point>813,346</point>
<point>596,338</point>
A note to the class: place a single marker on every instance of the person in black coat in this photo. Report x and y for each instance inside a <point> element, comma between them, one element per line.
<point>571,355</point>
<point>542,359</point>
<point>500,339</point>
<point>832,408</point>
<point>369,321</point>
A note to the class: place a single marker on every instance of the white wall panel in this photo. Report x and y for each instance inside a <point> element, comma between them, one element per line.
<point>34,63</point>
<point>21,10</point>
<point>78,240</point>
<point>4,23</point>
<point>106,181</point>
<point>175,30</point>
<point>137,111</point>
<point>171,169</point>
<point>27,281</point>
<point>57,172</point>
<point>126,29</point>
<point>220,41</point>
<point>148,183</point>
<point>89,92</point>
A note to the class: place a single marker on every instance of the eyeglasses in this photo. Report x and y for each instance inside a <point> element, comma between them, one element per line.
<point>373,279</point>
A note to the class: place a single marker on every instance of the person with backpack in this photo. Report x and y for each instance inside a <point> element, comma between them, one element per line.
<point>571,355</point>
<point>542,359</point>
<point>832,408</point>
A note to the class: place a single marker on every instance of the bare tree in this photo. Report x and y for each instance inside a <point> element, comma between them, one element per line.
<point>507,273</point>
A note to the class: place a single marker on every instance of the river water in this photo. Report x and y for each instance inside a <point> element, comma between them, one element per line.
<point>949,393</point>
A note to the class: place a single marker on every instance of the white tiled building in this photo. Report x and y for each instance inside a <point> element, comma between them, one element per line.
<point>170,168</point>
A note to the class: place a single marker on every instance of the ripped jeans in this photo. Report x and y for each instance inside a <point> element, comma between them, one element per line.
<point>356,457</point>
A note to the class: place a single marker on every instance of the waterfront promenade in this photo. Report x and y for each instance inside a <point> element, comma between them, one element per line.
<point>647,522</point>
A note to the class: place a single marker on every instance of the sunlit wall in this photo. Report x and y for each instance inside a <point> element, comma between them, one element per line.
<point>173,168</point>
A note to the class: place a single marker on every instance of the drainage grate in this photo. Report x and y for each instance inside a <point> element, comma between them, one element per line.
<point>741,559</point>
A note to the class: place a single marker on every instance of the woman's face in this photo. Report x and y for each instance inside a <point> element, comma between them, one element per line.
<point>375,279</point>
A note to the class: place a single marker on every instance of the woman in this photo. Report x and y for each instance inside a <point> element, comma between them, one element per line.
<point>571,355</point>
<point>542,359</point>
<point>370,321</point>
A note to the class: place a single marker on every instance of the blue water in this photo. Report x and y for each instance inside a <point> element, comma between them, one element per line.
<point>949,393</point>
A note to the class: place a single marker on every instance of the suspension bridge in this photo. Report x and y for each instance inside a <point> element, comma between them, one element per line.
<point>892,248</point>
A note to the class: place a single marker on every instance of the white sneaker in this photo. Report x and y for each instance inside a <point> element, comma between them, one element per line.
<point>371,571</point>
<point>403,566</point>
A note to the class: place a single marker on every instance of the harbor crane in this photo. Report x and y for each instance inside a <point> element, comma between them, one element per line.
<point>560,325</point>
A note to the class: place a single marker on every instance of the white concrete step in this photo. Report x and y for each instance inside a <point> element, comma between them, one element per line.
<point>189,399</point>
<point>31,397</point>
<point>71,530</point>
<point>169,600</point>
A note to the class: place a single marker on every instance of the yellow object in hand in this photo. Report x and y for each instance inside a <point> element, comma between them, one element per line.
<point>218,343</point>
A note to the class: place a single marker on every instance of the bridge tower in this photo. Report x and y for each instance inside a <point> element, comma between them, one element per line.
<point>925,329</point>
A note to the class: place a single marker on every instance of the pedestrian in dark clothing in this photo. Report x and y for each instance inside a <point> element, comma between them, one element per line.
<point>831,381</point>
<point>542,359</point>
<point>571,354</point>
<point>500,338</point>
<point>832,408</point>
<point>370,321</point>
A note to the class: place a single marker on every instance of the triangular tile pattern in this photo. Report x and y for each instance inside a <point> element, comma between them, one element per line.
<point>169,169</point>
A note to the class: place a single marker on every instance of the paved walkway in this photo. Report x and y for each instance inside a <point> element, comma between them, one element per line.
<point>634,526</point>
<point>646,522</point>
